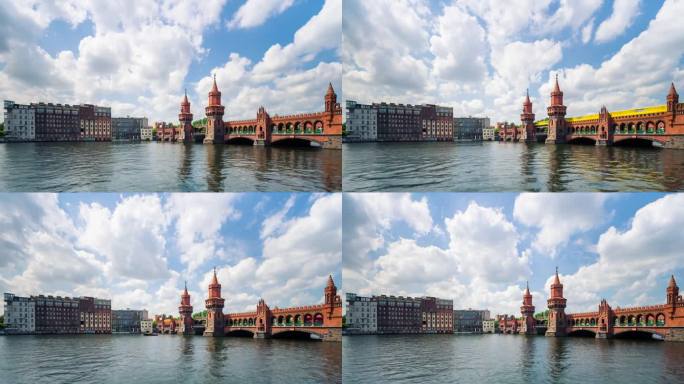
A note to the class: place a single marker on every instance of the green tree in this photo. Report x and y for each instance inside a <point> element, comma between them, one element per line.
<point>200,315</point>
<point>2,321</point>
<point>2,129</point>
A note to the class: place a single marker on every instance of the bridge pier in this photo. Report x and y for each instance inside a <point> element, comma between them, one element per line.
<point>603,335</point>
<point>333,334</point>
<point>262,335</point>
<point>675,334</point>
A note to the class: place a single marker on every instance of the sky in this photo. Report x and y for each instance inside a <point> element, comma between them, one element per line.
<point>480,56</point>
<point>139,249</point>
<point>138,56</point>
<point>481,249</point>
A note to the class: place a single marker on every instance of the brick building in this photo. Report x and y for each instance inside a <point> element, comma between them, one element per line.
<point>57,122</point>
<point>437,123</point>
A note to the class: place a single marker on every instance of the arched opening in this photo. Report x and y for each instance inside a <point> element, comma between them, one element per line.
<point>582,141</point>
<point>298,320</point>
<point>288,320</point>
<point>582,333</point>
<point>240,141</point>
<point>639,335</point>
<point>660,128</point>
<point>650,127</point>
<point>650,320</point>
<point>240,333</point>
<point>660,320</point>
<point>318,127</point>
<point>639,320</point>
<point>636,142</point>
<point>308,127</point>
<point>318,320</point>
<point>295,142</point>
<point>298,335</point>
<point>281,320</point>
<point>308,320</point>
<point>273,320</point>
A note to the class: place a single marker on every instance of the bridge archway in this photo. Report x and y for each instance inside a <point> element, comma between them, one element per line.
<point>295,142</point>
<point>239,333</point>
<point>582,333</point>
<point>297,335</point>
<point>641,142</point>
<point>240,141</point>
<point>582,141</point>
<point>639,335</point>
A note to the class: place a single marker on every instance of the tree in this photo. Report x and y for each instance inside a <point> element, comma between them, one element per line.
<point>2,129</point>
<point>200,315</point>
<point>2,321</point>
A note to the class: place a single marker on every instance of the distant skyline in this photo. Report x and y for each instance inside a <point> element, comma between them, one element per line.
<point>139,57</point>
<point>138,249</point>
<point>480,56</point>
<point>481,249</point>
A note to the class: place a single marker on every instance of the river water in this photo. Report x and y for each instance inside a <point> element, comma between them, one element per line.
<point>166,167</point>
<point>497,167</point>
<point>509,359</point>
<point>108,359</point>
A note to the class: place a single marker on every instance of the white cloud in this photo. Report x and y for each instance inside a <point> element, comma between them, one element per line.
<point>624,13</point>
<point>652,59</point>
<point>478,268</point>
<point>255,12</point>
<point>632,261</point>
<point>198,218</point>
<point>283,81</point>
<point>558,216</point>
<point>130,237</point>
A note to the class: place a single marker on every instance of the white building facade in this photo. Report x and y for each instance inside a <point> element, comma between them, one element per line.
<point>488,134</point>
<point>489,326</point>
<point>20,122</point>
<point>362,314</point>
<point>362,122</point>
<point>146,326</point>
<point>20,314</point>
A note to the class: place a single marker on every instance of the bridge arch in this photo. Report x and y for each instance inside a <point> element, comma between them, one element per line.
<point>660,127</point>
<point>318,320</point>
<point>660,320</point>
<point>636,142</point>
<point>582,333</point>
<point>295,142</point>
<point>308,319</point>
<point>641,334</point>
<point>281,320</point>
<point>582,140</point>
<point>300,334</point>
<point>239,333</point>
<point>241,140</point>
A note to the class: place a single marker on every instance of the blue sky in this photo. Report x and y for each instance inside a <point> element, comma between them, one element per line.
<point>139,57</point>
<point>480,249</point>
<point>479,56</point>
<point>138,249</point>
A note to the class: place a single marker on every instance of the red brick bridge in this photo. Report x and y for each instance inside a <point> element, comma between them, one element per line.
<point>320,321</point>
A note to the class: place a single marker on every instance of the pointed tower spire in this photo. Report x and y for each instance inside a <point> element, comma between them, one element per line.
<point>673,283</point>
<point>673,91</point>
<point>330,88</point>
<point>527,287</point>
<point>556,87</point>
<point>557,280</point>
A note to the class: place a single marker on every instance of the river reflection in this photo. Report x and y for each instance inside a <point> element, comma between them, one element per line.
<point>511,359</point>
<point>166,167</point>
<point>496,167</point>
<point>166,359</point>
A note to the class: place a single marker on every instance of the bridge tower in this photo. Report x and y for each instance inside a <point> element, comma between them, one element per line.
<point>215,129</point>
<point>527,119</point>
<point>263,127</point>
<point>672,99</point>
<point>605,321</point>
<point>185,117</point>
<point>605,128</point>
<point>215,320</point>
<point>263,321</point>
<point>330,99</point>
<point>557,320</point>
<point>185,310</point>
<point>556,113</point>
<point>672,296</point>
<point>527,311</point>
<point>333,312</point>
